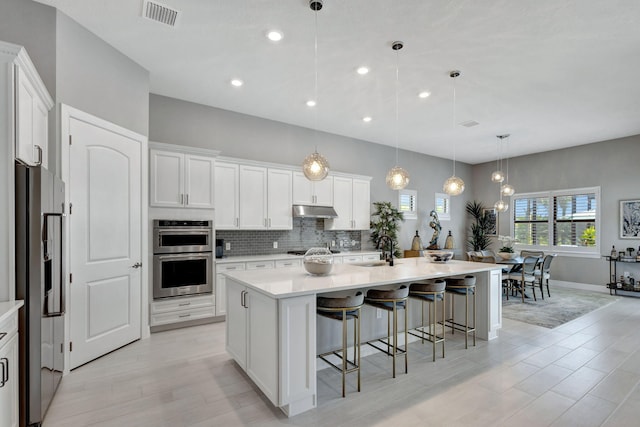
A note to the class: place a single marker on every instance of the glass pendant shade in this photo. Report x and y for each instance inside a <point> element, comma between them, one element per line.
<point>397,178</point>
<point>501,206</point>
<point>453,186</point>
<point>315,167</point>
<point>507,190</point>
<point>497,176</point>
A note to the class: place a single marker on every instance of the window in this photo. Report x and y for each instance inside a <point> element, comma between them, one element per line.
<point>408,203</point>
<point>565,221</point>
<point>443,207</point>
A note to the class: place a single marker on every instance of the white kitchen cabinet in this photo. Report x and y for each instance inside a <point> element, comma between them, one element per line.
<point>181,180</point>
<point>176,310</point>
<point>318,193</point>
<point>9,370</point>
<point>268,339</point>
<point>350,259</point>
<point>351,200</point>
<point>32,105</point>
<point>227,188</point>
<point>250,197</point>
<point>221,285</point>
<point>252,336</point>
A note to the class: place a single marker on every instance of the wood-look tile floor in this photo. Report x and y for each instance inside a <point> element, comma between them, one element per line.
<point>583,373</point>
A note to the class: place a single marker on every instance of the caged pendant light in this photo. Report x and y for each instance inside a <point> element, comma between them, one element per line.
<point>507,189</point>
<point>454,185</point>
<point>315,166</point>
<point>397,177</point>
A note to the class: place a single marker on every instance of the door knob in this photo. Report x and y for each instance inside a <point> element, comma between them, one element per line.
<point>136,265</point>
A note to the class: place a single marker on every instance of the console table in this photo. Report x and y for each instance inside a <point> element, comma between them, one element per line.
<point>626,289</point>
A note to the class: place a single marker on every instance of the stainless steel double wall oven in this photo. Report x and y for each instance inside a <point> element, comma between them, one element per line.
<point>182,260</point>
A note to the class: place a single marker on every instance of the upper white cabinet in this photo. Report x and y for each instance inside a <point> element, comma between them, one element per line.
<point>32,105</point>
<point>227,181</point>
<point>351,200</point>
<point>305,192</point>
<point>251,197</point>
<point>181,179</point>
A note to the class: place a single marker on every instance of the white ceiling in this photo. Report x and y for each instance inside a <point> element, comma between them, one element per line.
<point>552,73</point>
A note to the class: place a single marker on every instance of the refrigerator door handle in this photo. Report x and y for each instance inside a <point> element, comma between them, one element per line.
<point>61,265</point>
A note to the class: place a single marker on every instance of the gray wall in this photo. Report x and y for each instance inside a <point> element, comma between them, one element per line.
<point>237,135</point>
<point>94,77</point>
<point>613,165</point>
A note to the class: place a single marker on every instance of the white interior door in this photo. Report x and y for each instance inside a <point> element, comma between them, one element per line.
<point>104,189</point>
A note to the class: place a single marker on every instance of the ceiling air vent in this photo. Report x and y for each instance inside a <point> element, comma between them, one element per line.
<point>469,123</point>
<point>160,13</point>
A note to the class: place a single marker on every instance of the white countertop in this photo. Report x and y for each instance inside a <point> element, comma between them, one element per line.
<point>295,281</point>
<point>7,308</point>
<point>276,257</point>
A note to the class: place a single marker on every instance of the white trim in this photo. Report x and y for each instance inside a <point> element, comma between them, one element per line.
<point>23,60</point>
<point>183,149</point>
<point>66,114</point>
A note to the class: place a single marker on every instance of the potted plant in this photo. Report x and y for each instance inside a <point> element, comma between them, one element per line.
<point>479,240</point>
<point>384,222</point>
<point>506,251</point>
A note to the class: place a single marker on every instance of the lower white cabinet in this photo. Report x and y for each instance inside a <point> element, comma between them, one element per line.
<point>221,287</point>
<point>175,310</point>
<point>9,371</point>
<point>267,338</point>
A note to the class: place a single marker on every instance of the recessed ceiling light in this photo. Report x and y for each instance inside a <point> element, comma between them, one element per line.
<point>237,82</point>
<point>311,103</point>
<point>366,119</point>
<point>362,70</point>
<point>424,94</point>
<point>274,36</point>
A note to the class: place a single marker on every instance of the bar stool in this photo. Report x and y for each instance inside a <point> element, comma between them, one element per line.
<point>463,286</point>
<point>430,291</point>
<point>343,309</point>
<point>391,300</point>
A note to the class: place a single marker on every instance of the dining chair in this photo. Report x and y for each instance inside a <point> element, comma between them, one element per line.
<point>543,273</point>
<point>519,280</point>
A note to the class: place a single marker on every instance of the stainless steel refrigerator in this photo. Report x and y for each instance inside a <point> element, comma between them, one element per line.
<point>39,282</point>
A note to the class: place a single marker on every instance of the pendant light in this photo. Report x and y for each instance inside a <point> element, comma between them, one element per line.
<point>507,190</point>
<point>454,185</point>
<point>498,175</point>
<point>315,167</point>
<point>397,177</point>
<point>500,205</point>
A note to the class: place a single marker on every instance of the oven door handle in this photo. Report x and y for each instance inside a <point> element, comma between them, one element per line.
<point>184,256</point>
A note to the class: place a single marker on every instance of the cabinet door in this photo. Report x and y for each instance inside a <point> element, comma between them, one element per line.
<point>236,323</point>
<point>342,202</point>
<point>25,107</point>
<point>9,391</point>
<point>41,132</point>
<point>262,347</point>
<point>279,199</point>
<point>199,182</point>
<point>323,191</point>
<point>221,286</point>
<point>166,186</point>
<point>361,204</point>
<point>302,190</point>
<point>253,198</point>
<point>227,195</point>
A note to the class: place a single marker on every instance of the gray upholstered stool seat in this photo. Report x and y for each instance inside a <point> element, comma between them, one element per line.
<point>464,286</point>
<point>343,309</point>
<point>391,300</point>
<point>430,291</point>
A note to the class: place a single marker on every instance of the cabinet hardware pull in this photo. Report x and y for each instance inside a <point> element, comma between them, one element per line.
<point>39,162</point>
<point>260,266</point>
<point>269,222</point>
<point>185,315</point>
<point>182,199</point>
<point>186,199</point>
<point>242,298</point>
<point>5,371</point>
<point>137,265</point>
<point>231,268</point>
<point>183,304</point>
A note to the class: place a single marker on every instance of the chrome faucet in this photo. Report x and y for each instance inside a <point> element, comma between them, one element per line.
<point>384,240</point>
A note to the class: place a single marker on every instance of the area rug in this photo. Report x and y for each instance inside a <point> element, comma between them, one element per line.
<point>564,305</point>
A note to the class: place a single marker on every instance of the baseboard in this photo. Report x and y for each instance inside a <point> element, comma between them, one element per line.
<point>574,285</point>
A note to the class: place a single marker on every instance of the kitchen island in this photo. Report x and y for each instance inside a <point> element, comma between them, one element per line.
<point>271,317</point>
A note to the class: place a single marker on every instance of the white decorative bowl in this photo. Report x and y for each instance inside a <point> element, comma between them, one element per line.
<point>439,256</point>
<point>318,261</point>
<point>507,255</point>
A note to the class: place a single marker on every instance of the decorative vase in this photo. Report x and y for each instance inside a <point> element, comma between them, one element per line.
<point>416,244</point>
<point>318,261</point>
<point>448,243</point>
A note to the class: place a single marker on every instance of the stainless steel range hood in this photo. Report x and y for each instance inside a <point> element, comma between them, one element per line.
<point>305,211</point>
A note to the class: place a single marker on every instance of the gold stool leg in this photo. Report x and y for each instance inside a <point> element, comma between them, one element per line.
<point>344,350</point>
<point>395,338</point>
<point>357,345</point>
<point>406,337</point>
<point>444,296</point>
<point>474,316</point>
<point>432,321</point>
